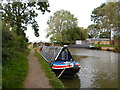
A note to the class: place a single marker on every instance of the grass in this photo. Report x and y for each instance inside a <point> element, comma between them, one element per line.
<point>14,71</point>
<point>0,76</point>
<point>53,80</point>
<point>116,47</point>
<point>105,45</point>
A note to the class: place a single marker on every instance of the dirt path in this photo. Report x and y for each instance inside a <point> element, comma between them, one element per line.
<point>36,77</point>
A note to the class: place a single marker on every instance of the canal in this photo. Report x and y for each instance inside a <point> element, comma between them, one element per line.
<point>99,69</point>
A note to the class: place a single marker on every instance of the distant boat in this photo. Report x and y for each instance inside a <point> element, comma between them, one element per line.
<point>60,60</point>
<point>87,46</point>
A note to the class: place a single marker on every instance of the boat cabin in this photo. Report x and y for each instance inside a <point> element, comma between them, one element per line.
<point>60,60</point>
<point>55,53</point>
<point>64,55</point>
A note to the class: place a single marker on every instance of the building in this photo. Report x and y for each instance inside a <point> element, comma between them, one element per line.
<point>93,41</point>
<point>80,42</point>
<point>98,41</point>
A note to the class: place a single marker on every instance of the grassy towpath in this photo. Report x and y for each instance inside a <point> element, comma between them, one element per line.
<point>36,77</point>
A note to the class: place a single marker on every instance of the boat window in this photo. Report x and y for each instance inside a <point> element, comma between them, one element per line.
<point>64,54</point>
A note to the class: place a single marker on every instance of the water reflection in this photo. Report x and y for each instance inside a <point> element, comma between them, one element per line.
<point>99,69</point>
<point>71,83</point>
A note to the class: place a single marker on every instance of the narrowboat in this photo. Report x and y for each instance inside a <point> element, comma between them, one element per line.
<point>60,60</point>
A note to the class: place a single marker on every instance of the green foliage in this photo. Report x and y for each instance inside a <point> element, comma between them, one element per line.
<point>106,45</point>
<point>14,71</point>
<point>117,49</point>
<point>15,18</point>
<point>21,14</point>
<point>95,16</point>
<point>93,30</point>
<point>105,35</point>
<point>53,80</point>
<point>60,22</point>
<point>9,43</point>
<point>63,28</point>
<point>117,38</point>
<point>15,64</point>
<point>106,17</point>
<point>76,34</point>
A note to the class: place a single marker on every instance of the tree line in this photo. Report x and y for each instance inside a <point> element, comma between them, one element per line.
<point>106,21</point>
<point>63,26</point>
<point>15,18</point>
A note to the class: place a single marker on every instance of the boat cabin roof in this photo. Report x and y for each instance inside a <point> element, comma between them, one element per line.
<point>53,53</point>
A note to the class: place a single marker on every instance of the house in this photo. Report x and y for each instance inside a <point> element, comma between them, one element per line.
<point>98,41</point>
<point>80,42</point>
<point>93,41</point>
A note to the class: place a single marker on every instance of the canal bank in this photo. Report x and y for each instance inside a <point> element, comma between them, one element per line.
<point>113,48</point>
<point>99,69</point>
<point>40,75</point>
<point>35,77</point>
<point>53,80</point>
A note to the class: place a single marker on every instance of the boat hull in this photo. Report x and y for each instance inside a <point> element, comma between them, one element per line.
<point>60,60</point>
<point>68,72</point>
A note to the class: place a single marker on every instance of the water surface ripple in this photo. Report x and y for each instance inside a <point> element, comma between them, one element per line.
<point>99,69</point>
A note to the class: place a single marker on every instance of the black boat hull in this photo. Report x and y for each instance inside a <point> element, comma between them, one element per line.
<point>68,72</point>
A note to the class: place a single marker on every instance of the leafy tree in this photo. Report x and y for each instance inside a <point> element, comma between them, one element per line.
<point>106,16</point>
<point>110,20</point>
<point>96,16</point>
<point>21,14</point>
<point>59,24</point>
<point>15,18</point>
<point>105,35</point>
<point>76,34</point>
<point>93,31</point>
<point>9,42</point>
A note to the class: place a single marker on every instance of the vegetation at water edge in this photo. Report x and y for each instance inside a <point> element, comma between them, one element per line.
<point>53,80</point>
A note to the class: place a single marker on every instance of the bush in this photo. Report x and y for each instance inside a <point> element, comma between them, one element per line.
<point>117,49</point>
<point>15,71</point>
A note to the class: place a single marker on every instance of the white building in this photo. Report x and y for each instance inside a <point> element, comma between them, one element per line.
<point>80,42</point>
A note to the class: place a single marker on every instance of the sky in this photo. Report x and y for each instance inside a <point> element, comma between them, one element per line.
<point>81,9</point>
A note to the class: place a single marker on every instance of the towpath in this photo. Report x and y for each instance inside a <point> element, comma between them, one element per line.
<point>36,77</point>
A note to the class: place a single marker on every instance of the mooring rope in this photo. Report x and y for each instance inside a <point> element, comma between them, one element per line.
<point>62,71</point>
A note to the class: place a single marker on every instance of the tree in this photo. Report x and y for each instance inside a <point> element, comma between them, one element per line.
<point>106,16</point>
<point>21,14</point>
<point>15,18</point>
<point>105,35</point>
<point>59,24</point>
<point>76,34</point>
<point>9,42</point>
<point>96,16</point>
<point>110,20</point>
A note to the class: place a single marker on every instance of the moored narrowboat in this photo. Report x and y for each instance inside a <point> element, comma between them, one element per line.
<point>60,60</point>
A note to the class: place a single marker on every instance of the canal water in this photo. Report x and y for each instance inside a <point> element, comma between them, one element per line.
<point>99,69</point>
